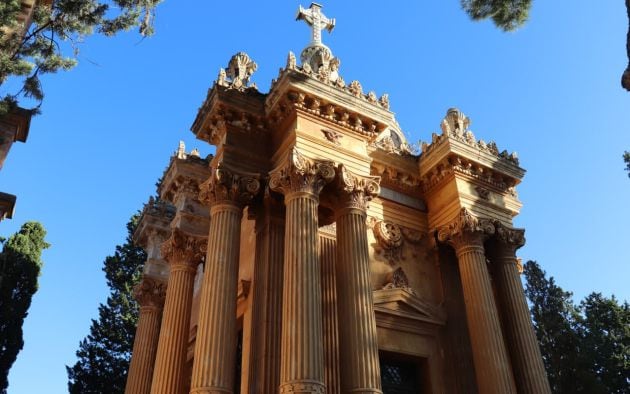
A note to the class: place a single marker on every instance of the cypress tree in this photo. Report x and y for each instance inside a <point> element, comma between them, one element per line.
<point>20,266</point>
<point>103,356</point>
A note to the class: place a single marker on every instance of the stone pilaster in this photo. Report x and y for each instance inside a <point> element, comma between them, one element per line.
<point>360,372</point>
<point>215,348</point>
<point>184,253</point>
<point>328,258</point>
<point>264,374</point>
<point>492,365</point>
<point>150,295</point>
<point>528,367</point>
<point>302,363</point>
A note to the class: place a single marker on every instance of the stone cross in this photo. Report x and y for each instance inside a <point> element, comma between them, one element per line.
<point>316,20</point>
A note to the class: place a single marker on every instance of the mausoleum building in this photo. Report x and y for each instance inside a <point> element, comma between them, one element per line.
<point>318,252</point>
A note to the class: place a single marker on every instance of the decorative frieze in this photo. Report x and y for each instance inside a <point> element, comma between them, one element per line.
<point>459,165</point>
<point>301,174</point>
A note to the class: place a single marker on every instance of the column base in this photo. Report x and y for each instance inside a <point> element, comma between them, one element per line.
<point>303,387</point>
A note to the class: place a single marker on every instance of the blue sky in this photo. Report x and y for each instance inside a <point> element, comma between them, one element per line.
<point>549,91</point>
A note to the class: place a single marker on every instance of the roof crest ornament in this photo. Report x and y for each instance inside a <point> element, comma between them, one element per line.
<point>317,21</point>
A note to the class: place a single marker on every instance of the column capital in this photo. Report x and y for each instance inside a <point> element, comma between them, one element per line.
<point>355,191</point>
<point>150,292</point>
<point>229,186</point>
<point>466,230</point>
<point>184,250</point>
<point>512,238</point>
<point>298,173</point>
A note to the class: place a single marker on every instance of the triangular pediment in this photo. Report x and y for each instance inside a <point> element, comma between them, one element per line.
<point>406,304</point>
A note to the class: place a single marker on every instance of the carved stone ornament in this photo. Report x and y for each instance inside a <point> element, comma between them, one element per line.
<point>159,208</point>
<point>301,174</point>
<point>455,125</point>
<point>356,191</point>
<point>184,249</point>
<point>483,193</point>
<point>513,237</point>
<point>239,71</point>
<point>228,185</point>
<point>464,223</point>
<point>150,292</point>
<point>397,279</point>
<point>390,240</point>
<point>332,136</point>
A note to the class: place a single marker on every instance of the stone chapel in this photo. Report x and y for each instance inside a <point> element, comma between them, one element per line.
<point>318,252</point>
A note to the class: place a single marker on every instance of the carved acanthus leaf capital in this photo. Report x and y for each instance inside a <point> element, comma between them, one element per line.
<point>356,191</point>
<point>184,249</point>
<point>227,185</point>
<point>301,174</point>
<point>511,237</point>
<point>150,292</point>
<point>466,227</point>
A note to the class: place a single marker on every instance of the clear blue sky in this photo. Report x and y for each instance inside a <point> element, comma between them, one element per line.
<point>549,91</point>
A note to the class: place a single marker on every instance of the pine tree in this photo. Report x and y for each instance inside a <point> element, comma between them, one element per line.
<point>585,348</point>
<point>103,356</point>
<point>506,14</point>
<point>20,266</point>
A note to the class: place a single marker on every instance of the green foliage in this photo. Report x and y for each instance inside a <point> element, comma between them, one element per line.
<point>585,348</point>
<point>26,52</point>
<point>20,266</point>
<point>626,159</point>
<point>103,356</point>
<point>506,14</point>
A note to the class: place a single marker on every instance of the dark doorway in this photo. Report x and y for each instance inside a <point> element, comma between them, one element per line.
<point>402,374</point>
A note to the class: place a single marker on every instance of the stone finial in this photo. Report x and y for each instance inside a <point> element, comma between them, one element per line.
<point>238,73</point>
<point>314,17</point>
<point>181,150</point>
<point>455,122</point>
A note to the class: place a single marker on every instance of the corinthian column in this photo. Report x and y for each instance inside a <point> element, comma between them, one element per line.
<point>302,362</point>
<point>360,372</point>
<point>529,371</point>
<point>184,253</point>
<point>150,295</point>
<point>492,365</point>
<point>215,348</point>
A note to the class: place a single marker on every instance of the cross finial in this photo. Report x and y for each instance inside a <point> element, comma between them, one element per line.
<point>316,20</point>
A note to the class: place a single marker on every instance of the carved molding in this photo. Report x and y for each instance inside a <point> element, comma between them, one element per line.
<point>459,165</point>
<point>513,237</point>
<point>396,178</point>
<point>301,174</point>
<point>356,191</point>
<point>227,185</point>
<point>150,292</point>
<point>183,248</point>
<point>159,208</point>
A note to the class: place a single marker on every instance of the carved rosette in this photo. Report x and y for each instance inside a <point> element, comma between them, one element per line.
<point>150,293</point>
<point>301,174</point>
<point>464,226</point>
<point>226,185</point>
<point>184,249</point>
<point>356,191</point>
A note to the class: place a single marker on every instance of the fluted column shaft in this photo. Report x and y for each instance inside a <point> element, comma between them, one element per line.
<point>360,372</point>
<point>150,296</point>
<point>492,365</point>
<point>215,346</point>
<point>328,258</point>
<point>170,360</point>
<point>529,371</point>
<point>302,365</point>
<point>267,302</point>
